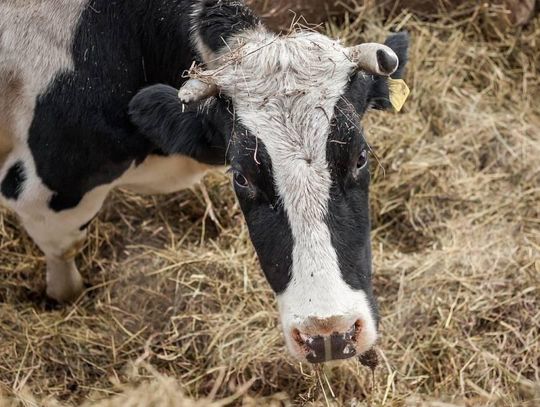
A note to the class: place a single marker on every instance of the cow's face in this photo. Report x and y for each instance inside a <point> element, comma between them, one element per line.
<point>299,161</point>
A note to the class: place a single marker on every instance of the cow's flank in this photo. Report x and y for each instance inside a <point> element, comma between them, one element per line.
<point>6,144</point>
<point>11,87</point>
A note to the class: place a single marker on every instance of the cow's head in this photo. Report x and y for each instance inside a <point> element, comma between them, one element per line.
<point>287,111</point>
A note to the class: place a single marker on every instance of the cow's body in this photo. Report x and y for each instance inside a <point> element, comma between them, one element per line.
<point>284,112</point>
<point>67,72</point>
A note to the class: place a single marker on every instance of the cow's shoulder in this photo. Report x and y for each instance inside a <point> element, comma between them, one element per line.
<point>80,136</point>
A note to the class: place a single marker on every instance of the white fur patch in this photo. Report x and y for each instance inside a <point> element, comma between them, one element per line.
<point>284,90</point>
<point>163,175</point>
<point>35,46</point>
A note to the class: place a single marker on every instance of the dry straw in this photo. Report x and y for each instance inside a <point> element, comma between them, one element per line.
<point>456,247</point>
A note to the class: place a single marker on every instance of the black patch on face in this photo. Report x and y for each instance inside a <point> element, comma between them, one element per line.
<point>220,19</point>
<point>13,182</point>
<point>348,207</point>
<point>265,215</point>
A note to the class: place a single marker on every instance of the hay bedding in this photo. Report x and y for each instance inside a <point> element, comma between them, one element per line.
<point>280,14</point>
<point>178,309</point>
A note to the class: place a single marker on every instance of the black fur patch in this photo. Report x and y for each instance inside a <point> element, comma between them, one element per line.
<point>348,207</point>
<point>265,216</point>
<point>81,136</point>
<point>219,19</point>
<point>13,183</point>
<point>399,43</point>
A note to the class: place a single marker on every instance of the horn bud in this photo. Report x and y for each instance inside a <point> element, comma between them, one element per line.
<point>195,90</point>
<point>374,58</point>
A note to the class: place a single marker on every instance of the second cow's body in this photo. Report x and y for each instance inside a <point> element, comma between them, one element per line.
<point>67,72</point>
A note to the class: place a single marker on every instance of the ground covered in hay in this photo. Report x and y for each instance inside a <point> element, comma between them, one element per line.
<point>177,298</point>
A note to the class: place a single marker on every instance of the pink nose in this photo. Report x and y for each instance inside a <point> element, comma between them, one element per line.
<point>322,340</point>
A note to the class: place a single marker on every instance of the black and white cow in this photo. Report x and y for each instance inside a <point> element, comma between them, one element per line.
<point>89,102</point>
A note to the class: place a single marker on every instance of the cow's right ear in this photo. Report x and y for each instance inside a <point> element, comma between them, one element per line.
<point>379,93</point>
<point>174,128</point>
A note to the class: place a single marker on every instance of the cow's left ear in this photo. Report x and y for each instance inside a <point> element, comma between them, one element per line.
<point>379,93</point>
<point>174,128</point>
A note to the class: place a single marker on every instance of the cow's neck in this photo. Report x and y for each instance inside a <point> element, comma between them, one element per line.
<point>177,32</point>
<point>215,25</point>
<point>165,39</point>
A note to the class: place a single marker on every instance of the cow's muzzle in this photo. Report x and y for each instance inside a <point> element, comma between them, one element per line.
<point>332,346</point>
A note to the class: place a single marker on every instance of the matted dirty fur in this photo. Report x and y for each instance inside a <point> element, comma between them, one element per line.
<point>178,304</point>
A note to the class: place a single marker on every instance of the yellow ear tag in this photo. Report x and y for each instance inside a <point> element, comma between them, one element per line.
<point>399,92</point>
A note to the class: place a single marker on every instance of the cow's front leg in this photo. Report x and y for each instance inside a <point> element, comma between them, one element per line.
<point>60,246</point>
<point>64,282</point>
<point>61,236</point>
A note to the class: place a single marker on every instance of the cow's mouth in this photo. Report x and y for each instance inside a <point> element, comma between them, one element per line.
<point>324,348</point>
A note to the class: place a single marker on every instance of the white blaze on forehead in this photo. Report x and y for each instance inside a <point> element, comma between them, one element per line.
<point>284,90</point>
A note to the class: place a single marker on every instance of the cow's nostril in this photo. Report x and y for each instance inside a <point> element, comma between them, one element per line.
<point>323,348</point>
<point>358,327</point>
<point>297,336</point>
<point>301,339</point>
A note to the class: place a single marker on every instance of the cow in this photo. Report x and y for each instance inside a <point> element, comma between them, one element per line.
<point>89,101</point>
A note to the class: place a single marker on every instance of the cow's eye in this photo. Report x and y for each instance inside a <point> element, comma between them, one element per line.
<point>240,180</point>
<point>362,162</point>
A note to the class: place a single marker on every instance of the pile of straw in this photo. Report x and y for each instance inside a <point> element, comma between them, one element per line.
<point>456,245</point>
